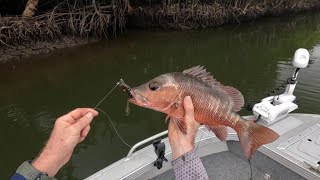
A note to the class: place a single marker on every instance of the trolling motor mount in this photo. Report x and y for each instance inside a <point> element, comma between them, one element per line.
<point>159,149</point>
<point>273,108</point>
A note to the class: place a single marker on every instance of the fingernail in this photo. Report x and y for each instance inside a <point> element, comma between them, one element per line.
<point>188,98</point>
<point>89,115</point>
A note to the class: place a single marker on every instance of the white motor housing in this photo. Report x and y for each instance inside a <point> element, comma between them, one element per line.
<point>301,58</point>
<point>274,108</point>
<point>271,113</point>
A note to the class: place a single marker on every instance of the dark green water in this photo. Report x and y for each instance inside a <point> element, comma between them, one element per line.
<point>254,58</point>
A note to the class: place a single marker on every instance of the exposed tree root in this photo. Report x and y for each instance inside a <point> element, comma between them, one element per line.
<point>96,18</point>
<point>65,19</point>
<point>193,14</point>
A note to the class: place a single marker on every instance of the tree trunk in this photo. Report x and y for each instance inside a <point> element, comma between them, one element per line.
<point>129,8</point>
<point>30,9</point>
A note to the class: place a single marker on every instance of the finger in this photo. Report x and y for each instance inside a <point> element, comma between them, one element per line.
<point>188,108</point>
<point>172,132</point>
<point>84,121</point>
<point>84,133</point>
<point>81,139</point>
<point>72,116</point>
<point>171,127</point>
<point>79,112</point>
<point>192,124</point>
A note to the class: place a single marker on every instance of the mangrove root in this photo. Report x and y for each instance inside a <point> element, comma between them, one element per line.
<point>193,14</point>
<point>82,20</point>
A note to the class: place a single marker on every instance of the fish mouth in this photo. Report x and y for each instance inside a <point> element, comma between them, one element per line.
<point>133,95</point>
<point>138,99</point>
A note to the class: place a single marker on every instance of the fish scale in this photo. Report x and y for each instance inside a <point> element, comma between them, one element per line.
<point>204,115</point>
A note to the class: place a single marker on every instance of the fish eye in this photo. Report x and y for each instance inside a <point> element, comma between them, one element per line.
<point>153,86</point>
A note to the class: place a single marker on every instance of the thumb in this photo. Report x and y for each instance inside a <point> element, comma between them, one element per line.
<point>188,108</point>
<point>192,124</point>
<point>84,121</point>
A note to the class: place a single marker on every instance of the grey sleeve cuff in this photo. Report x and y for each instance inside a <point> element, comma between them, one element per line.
<point>30,173</point>
<point>189,167</point>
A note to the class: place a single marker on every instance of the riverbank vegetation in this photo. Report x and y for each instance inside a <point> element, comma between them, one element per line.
<point>78,18</point>
<point>30,21</point>
<point>194,14</point>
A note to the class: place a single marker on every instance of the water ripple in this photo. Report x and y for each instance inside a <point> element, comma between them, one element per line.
<point>17,116</point>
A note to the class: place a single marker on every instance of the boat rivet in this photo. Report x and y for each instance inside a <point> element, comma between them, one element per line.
<point>267,176</point>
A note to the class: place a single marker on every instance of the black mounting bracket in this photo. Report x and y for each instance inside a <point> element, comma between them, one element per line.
<point>159,149</point>
<point>291,81</point>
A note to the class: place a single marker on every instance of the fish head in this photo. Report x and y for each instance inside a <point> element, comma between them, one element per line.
<point>157,94</point>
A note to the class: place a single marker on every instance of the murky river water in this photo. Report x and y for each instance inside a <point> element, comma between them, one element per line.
<point>254,57</point>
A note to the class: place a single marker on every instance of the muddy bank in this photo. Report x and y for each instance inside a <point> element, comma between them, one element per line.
<point>66,24</point>
<point>40,47</point>
<point>203,14</point>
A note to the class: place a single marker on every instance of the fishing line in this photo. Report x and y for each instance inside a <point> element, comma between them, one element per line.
<point>124,142</point>
<point>250,169</point>
<point>96,107</point>
<point>118,83</point>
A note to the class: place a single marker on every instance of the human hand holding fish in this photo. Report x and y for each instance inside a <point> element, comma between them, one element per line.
<point>180,142</point>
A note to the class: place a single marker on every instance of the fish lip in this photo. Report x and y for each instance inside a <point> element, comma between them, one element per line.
<point>138,99</point>
<point>131,96</point>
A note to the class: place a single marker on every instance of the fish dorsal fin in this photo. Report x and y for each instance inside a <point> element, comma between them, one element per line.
<point>201,73</point>
<point>236,97</point>
<point>234,94</point>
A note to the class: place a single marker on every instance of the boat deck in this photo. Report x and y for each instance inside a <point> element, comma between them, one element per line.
<point>295,155</point>
<point>226,165</point>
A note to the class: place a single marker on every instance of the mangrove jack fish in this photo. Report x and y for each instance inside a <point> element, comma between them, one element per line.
<point>215,105</point>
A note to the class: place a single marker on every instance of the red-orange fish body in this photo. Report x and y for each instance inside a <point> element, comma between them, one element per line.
<point>215,105</point>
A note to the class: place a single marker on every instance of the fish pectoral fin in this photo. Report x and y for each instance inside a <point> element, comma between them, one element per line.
<point>167,118</point>
<point>180,123</point>
<point>220,131</point>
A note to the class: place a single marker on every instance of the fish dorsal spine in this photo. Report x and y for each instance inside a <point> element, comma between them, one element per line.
<point>235,95</point>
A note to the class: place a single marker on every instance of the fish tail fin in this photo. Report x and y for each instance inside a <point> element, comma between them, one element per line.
<point>253,135</point>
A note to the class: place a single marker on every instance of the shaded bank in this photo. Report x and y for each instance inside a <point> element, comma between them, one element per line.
<point>68,23</point>
<point>58,25</point>
<point>194,14</point>
<point>40,47</point>
<point>66,18</point>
